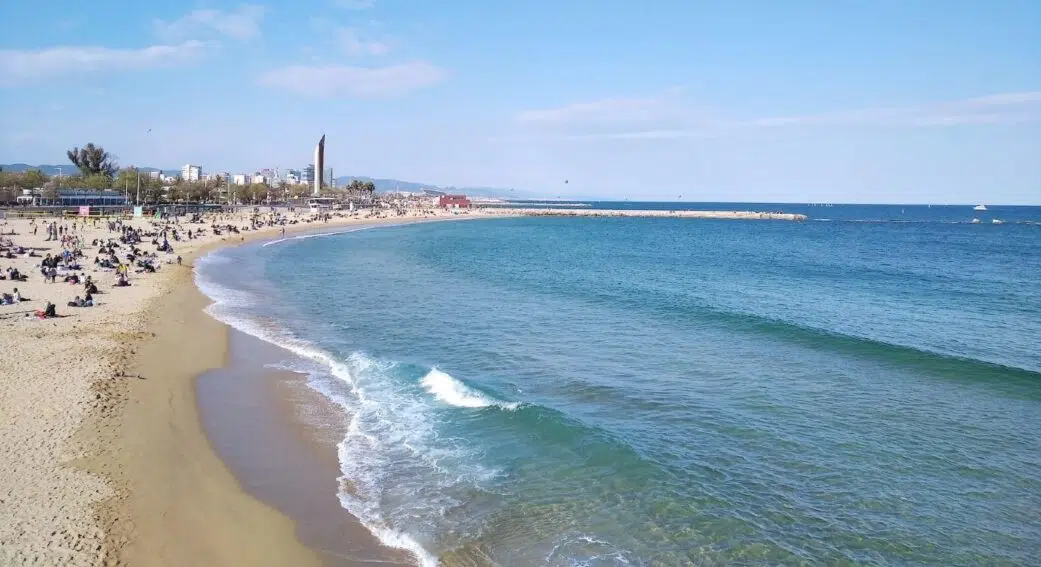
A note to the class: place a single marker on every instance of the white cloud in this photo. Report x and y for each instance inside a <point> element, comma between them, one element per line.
<point>18,66</point>
<point>352,42</point>
<point>349,81</point>
<point>355,4</point>
<point>664,118</point>
<point>612,110</point>
<point>241,24</point>
<point>1008,108</point>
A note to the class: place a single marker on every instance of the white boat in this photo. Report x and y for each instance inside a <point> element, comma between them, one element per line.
<point>997,221</point>
<point>980,208</point>
<point>975,221</point>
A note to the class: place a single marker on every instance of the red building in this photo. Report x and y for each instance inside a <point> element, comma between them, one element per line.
<point>453,202</point>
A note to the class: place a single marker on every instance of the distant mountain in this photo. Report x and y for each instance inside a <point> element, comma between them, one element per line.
<point>382,185</point>
<point>385,185</point>
<point>388,185</point>
<point>65,169</point>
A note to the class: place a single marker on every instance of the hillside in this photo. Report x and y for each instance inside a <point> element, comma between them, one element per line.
<point>65,169</point>
<point>382,185</point>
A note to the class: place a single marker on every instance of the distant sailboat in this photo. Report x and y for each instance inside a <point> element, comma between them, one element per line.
<point>980,208</point>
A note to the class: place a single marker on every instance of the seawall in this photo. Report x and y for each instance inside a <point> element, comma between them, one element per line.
<point>728,215</point>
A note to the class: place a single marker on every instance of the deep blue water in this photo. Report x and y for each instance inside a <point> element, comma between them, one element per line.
<point>612,391</point>
<point>826,212</point>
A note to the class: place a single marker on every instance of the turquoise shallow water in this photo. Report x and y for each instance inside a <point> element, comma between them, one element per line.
<point>666,391</point>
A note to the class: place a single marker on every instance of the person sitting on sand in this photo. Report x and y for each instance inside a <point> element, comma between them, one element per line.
<point>47,312</point>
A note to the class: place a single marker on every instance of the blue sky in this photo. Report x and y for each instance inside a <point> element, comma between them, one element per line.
<point>804,101</point>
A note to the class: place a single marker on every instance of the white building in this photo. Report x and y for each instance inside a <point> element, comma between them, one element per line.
<point>240,179</point>
<point>191,172</point>
<point>259,178</point>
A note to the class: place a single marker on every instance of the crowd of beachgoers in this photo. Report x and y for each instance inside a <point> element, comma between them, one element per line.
<point>94,256</point>
<point>77,302</point>
<point>98,255</point>
<point>77,296</point>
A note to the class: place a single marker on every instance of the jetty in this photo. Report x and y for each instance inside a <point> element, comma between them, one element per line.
<point>726,215</point>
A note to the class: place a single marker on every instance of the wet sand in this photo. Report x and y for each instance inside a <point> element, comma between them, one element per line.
<point>176,503</point>
<point>103,458</point>
<point>278,437</point>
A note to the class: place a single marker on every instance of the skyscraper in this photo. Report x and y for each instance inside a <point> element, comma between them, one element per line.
<point>319,165</point>
<point>191,173</point>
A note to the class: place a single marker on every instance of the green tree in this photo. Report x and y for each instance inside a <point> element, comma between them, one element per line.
<point>178,191</point>
<point>153,192</point>
<point>93,160</point>
<point>49,193</point>
<point>202,192</point>
<point>256,192</point>
<point>127,179</point>
<point>33,179</point>
<point>297,191</point>
<point>97,181</point>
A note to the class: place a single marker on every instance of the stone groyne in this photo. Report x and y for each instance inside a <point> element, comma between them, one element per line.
<point>729,215</point>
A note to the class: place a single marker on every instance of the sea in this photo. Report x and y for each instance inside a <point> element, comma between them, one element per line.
<point>862,388</point>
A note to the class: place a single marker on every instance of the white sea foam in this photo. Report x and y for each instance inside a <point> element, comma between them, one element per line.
<point>454,393</point>
<point>229,307</point>
<point>330,233</point>
<point>581,550</point>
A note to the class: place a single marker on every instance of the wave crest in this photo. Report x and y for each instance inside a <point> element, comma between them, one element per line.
<point>447,389</point>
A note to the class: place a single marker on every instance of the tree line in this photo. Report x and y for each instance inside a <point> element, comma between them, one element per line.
<point>97,169</point>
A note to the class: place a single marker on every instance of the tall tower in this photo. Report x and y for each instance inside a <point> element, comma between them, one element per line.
<point>319,165</point>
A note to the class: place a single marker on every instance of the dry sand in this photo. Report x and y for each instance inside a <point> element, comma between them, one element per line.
<point>103,460</point>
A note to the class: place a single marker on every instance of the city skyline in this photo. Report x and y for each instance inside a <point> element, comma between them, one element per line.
<point>805,101</point>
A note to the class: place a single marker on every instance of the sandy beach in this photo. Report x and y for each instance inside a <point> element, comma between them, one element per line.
<point>103,460</point>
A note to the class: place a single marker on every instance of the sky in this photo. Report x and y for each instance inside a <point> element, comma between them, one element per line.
<point>841,101</point>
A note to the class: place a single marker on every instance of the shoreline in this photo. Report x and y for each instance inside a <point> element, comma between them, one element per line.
<point>295,468</point>
<point>95,493</point>
<point>122,472</point>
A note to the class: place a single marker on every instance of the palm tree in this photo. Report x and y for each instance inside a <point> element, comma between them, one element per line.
<point>93,160</point>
